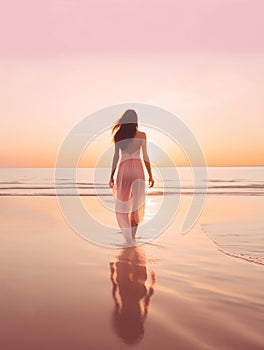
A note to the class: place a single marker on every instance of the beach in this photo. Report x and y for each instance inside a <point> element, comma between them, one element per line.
<point>98,98</point>
<point>59,291</point>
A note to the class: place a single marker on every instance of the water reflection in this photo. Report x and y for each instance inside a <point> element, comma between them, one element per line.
<point>130,294</point>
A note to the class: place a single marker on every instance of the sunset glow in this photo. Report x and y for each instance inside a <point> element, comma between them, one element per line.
<point>59,65</point>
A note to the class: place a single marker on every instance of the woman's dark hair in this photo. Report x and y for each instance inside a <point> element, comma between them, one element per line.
<point>125,128</point>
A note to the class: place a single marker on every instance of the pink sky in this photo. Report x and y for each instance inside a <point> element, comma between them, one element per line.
<point>31,28</point>
<point>200,59</point>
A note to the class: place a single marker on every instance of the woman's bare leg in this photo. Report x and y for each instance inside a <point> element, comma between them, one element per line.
<point>134,223</point>
<point>122,212</point>
<point>138,201</point>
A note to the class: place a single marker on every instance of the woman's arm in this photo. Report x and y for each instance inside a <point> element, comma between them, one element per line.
<point>146,160</point>
<point>114,165</point>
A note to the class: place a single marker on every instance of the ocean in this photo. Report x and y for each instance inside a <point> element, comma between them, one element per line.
<point>241,237</point>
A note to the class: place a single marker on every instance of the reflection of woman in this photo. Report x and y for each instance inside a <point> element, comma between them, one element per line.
<point>130,182</point>
<point>130,294</point>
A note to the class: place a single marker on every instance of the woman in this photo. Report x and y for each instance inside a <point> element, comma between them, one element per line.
<point>130,181</point>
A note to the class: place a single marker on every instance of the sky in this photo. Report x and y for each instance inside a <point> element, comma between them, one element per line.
<point>202,60</point>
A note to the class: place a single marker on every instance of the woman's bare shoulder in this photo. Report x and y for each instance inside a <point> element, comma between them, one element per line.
<point>141,134</point>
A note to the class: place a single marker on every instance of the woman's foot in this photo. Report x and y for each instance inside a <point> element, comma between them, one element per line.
<point>127,233</point>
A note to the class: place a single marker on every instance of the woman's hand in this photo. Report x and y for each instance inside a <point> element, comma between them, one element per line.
<point>111,182</point>
<point>151,181</point>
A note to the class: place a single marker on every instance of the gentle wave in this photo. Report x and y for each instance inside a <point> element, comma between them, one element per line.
<point>243,240</point>
<point>97,189</point>
<point>220,182</point>
<point>91,191</point>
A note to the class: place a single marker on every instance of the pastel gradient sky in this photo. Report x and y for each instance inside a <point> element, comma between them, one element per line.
<point>64,59</point>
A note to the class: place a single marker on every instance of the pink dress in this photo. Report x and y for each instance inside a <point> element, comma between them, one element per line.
<point>130,192</point>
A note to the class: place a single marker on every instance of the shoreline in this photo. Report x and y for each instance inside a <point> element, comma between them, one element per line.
<point>56,287</point>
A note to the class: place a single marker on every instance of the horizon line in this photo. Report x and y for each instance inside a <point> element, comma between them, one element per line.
<point>176,166</point>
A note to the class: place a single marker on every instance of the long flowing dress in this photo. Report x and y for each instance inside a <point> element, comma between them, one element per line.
<point>130,192</point>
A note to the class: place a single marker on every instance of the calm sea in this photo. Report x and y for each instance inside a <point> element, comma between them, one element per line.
<point>244,240</point>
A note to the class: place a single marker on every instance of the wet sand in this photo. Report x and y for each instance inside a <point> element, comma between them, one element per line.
<point>58,291</point>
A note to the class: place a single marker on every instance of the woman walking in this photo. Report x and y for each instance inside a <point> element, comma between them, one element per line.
<point>130,180</point>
